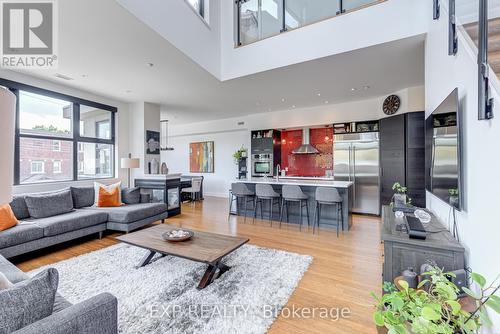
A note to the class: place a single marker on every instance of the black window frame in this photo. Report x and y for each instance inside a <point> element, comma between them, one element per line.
<point>15,87</point>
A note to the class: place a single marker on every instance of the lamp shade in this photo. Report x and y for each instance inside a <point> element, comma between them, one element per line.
<point>7,119</point>
<point>130,163</point>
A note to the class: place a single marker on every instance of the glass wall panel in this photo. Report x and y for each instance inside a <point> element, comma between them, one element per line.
<point>354,4</point>
<point>303,12</point>
<point>260,19</point>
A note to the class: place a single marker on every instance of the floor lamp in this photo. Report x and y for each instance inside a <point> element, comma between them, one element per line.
<point>130,163</point>
<point>7,119</point>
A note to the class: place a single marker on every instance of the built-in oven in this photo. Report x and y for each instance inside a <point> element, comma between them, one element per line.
<point>262,165</point>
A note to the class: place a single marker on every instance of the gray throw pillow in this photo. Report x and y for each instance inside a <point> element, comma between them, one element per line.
<point>82,196</point>
<point>20,208</point>
<point>28,301</point>
<point>131,195</point>
<point>49,204</point>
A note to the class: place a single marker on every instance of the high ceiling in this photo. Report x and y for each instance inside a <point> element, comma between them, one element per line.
<point>109,52</point>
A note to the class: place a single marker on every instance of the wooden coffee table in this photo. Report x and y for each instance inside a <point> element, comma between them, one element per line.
<point>204,247</point>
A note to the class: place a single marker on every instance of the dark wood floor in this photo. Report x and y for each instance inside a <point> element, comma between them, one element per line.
<point>344,271</point>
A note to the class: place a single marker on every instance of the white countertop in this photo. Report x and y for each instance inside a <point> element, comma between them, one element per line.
<point>307,182</point>
<point>160,176</point>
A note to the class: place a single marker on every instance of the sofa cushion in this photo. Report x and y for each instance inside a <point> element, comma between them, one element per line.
<point>132,213</point>
<point>131,195</point>
<point>82,196</point>
<point>10,271</point>
<point>28,301</point>
<point>49,204</point>
<point>20,208</point>
<point>20,234</point>
<point>72,221</point>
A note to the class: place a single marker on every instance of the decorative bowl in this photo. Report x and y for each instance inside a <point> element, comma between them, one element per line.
<point>177,235</point>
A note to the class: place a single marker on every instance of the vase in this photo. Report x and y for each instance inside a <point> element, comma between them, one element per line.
<point>399,200</point>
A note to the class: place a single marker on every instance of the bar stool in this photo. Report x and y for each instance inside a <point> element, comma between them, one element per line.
<point>292,193</point>
<point>265,192</point>
<point>329,196</point>
<point>194,190</point>
<point>240,190</point>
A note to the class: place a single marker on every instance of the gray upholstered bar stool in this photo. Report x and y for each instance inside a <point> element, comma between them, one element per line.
<point>329,196</point>
<point>241,191</point>
<point>264,192</point>
<point>293,193</point>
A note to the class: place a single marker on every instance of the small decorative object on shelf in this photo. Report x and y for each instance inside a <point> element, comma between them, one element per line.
<point>454,199</point>
<point>356,127</point>
<point>400,199</point>
<point>241,153</point>
<point>434,306</point>
<point>410,276</point>
<point>164,169</point>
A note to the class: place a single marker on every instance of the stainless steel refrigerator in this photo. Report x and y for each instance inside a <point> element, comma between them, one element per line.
<point>356,159</point>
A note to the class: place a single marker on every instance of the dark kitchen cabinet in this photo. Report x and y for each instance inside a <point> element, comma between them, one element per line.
<point>402,156</point>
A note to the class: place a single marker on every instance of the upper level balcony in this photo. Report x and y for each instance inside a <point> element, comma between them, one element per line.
<point>260,19</point>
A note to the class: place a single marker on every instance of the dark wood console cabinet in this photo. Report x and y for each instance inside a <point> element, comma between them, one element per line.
<point>401,252</point>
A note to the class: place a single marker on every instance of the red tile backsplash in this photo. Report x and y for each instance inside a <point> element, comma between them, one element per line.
<point>308,164</point>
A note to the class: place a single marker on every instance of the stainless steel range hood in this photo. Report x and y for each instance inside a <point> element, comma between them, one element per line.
<point>306,147</point>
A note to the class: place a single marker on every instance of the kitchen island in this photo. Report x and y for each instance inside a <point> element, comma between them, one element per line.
<point>308,186</point>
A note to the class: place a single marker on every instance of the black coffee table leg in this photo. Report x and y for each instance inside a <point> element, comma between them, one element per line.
<point>212,274</point>
<point>146,259</point>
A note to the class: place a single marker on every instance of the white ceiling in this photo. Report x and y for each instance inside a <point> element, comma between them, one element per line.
<point>106,50</point>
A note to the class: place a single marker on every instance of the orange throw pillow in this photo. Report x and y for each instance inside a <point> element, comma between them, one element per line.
<point>109,198</point>
<point>7,218</point>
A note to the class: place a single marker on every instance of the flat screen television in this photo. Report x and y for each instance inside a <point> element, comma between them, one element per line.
<point>443,152</point>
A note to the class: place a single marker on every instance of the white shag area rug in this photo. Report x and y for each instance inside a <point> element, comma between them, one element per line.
<point>162,296</point>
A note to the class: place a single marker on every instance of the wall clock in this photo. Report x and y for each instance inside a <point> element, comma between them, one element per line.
<point>391,105</point>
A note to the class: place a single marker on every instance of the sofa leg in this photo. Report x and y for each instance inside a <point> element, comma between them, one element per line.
<point>100,235</point>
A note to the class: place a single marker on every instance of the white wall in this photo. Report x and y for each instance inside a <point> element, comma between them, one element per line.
<point>381,23</point>
<point>478,223</point>
<point>122,121</point>
<point>176,21</point>
<point>229,136</point>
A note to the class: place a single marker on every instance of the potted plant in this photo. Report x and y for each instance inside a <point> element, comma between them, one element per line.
<point>400,198</point>
<point>453,197</point>
<point>435,309</point>
<point>241,153</point>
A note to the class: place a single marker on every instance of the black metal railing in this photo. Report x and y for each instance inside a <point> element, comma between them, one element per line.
<point>485,107</point>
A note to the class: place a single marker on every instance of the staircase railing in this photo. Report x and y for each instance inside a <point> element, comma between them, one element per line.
<point>274,17</point>
<point>474,17</point>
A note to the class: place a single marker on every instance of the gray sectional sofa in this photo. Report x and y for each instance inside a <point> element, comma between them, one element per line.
<point>96,315</point>
<point>51,218</point>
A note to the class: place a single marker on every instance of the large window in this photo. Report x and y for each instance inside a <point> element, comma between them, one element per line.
<point>60,137</point>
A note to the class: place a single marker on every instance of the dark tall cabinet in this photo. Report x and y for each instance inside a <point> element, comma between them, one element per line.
<point>402,156</point>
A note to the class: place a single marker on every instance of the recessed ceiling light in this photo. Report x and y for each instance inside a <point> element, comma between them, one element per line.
<point>326,102</point>
<point>283,99</point>
<point>353,89</point>
<point>319,94</point>
<point>62,76</point>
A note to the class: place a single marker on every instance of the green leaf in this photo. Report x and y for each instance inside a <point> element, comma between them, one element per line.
<point>485,319</point>
<point>471,293</point>
<point>403,284</point>
<point>428,313</point>
<point>378,318</point>
<point>398,303</point>
<point>479,279</point>
<point>494,303</point>
<point>455,306</point>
